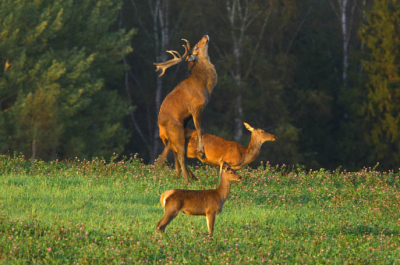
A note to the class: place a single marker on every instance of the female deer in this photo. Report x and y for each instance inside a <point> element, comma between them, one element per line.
<point>198,202</point>
<point>218,149</point>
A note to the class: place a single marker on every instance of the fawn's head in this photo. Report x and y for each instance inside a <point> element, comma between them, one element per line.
<point>200,50</point>
<point>227,171</point>
<point>262,135</point>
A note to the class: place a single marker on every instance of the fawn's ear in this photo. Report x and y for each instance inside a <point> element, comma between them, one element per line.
<point>225,166</point>
<point>248,127</point>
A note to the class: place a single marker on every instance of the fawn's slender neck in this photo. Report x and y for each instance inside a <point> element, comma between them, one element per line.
<point>224,188</point>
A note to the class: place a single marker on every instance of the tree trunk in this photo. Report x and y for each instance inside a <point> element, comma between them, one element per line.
<point>33,150</point>
<point>343,8</point>
<point>238,81</point>
<point>159,10</point>
<point>240,17</point>
<point>238,118</point>
<point>345,24</point>
<point>233,8</point>
<point>158,101</point>
<point>161,34</point>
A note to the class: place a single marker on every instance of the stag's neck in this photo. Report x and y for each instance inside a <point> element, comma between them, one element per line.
<point>204,72</point>
<point>253,149</point>
<point>224,188</point>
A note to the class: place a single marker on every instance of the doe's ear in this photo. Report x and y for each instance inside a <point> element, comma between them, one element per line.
<point>248,127</point>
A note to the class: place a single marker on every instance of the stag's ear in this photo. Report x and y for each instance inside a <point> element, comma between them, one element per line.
<point>193,54</point>
<point>248,127</point>
<point>192,58</point>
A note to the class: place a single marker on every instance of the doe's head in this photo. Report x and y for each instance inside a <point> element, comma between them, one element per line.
<point>262,135</point>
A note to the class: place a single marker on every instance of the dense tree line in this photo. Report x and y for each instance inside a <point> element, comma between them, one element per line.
<point>79,80</point>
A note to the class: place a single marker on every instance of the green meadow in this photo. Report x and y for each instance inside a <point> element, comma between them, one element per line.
<point>105,212</point>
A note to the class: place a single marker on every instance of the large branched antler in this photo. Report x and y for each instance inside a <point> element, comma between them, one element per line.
<point>177,59</point>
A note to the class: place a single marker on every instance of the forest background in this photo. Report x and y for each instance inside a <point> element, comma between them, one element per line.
<point>323,75</point>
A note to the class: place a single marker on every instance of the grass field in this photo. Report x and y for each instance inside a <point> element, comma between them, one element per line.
<point>97,212</point>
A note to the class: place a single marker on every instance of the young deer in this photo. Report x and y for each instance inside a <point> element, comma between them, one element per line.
<point>186,101</point>
<point>218,149</point>
<point>198,202</point>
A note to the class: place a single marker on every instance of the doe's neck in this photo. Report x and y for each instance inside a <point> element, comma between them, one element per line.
<point>253,149</point>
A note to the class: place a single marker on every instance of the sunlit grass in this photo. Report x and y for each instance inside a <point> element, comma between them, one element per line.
<point>106,212</point>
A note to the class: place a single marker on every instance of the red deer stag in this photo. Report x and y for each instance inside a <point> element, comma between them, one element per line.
<point>198,202</point>
<point>186,101</point>
<point>217,149</point>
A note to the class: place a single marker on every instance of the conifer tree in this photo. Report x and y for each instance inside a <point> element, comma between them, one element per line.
<point>381,111</point>
<point>62,63</point>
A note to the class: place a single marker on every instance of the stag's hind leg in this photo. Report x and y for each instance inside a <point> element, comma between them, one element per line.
<point>176,135</point>
<point>186,171</point>
<point>161,159</point>
<point>177,165</point>
<point>178,168</point>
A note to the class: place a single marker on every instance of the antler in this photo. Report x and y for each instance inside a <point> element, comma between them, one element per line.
<point>177,59</point>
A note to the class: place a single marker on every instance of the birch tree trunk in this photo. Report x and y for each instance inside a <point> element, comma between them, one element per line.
<point>240,17</point>
<point>161,38</point>
<point>345,24</point>
<point>343,7</point>
<point>159,35</point>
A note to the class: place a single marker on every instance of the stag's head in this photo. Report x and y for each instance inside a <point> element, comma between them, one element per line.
<point>260,134</point>
<point>200,50</point>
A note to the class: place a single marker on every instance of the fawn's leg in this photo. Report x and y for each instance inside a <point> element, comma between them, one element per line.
<point>169,215</point>
<point>210,222</point>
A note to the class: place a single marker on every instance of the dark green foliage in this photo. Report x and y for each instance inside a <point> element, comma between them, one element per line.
<point>57,93</point>
<point>381,110</point>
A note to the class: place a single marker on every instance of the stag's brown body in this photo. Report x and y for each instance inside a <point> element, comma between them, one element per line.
<point>187,101</point>
<point>198,202</point>
<point>217,149</point>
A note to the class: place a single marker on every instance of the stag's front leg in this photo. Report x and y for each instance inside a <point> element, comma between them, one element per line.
<point>197,123</point>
